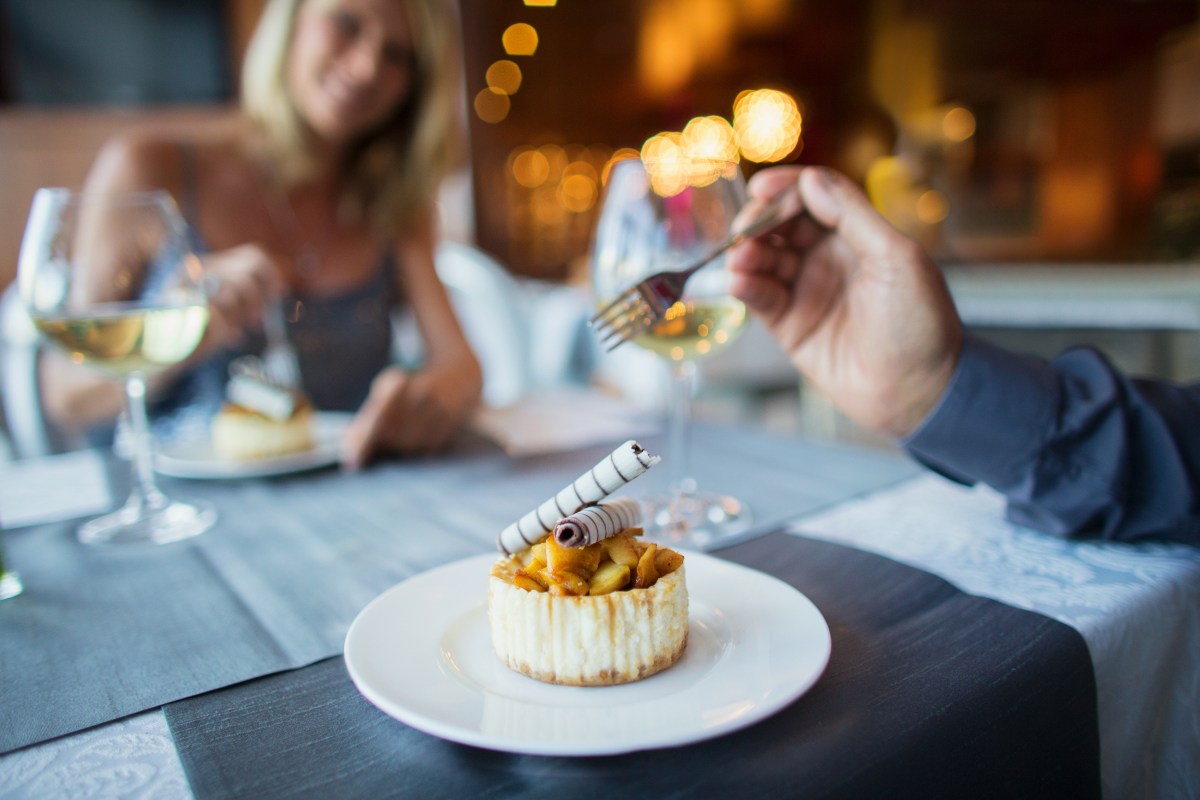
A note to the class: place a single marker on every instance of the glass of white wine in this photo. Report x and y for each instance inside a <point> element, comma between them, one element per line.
<point>110,281</point>
<point>651,222</point>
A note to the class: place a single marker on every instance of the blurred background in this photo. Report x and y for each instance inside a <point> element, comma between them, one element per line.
<point>1047,153</point>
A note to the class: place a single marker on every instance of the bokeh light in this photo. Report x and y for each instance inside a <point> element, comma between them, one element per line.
<point>556,159</point>
<point>702,153</point>
<point>578,190</point>
<point>932,207</point>
<point>958,125</point>
<point>619,155</point>
<point>767,123</point>
<point>520,39</point>
<point>529,167</point>
<point>666,163</point>
<point>504,76</point>
<point>492,106</point>
<point>709,144</point>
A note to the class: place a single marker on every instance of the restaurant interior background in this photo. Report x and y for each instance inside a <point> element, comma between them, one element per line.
<point>997,132</point>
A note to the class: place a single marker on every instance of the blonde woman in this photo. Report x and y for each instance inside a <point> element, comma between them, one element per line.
<point>319,194</point>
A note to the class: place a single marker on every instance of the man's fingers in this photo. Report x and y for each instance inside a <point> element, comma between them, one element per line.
<point>838,204</point>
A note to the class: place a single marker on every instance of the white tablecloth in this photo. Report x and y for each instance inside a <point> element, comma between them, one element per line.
<point>1136,606</point>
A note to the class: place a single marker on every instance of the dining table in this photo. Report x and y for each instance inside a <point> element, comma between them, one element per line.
<point>875,631</point>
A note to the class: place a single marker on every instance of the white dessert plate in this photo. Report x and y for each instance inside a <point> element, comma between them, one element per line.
<point>421,653</point>
<point>194,458</point>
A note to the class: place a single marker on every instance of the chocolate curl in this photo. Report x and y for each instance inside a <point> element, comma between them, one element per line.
<point>592,524</point>
<point>617,469</point>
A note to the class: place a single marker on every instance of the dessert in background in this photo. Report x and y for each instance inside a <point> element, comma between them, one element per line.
<point>261,420</point>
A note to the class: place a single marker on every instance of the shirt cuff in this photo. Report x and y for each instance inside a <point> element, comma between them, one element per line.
<point>992,420</point>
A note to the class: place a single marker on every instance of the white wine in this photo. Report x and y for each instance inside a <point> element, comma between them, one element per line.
<point>123,338</point>
<point>695,328</point>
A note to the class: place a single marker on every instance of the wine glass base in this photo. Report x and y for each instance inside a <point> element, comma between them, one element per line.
<point>697,520</point>
<point>10,585</point>
<point>137,524</point>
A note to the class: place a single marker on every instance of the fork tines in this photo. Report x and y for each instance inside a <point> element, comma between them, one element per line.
<point>625,318</point>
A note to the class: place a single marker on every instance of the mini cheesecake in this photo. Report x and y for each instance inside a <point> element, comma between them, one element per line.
<point>587,640</point>
<point>260,420</point>
<point>241,434</point>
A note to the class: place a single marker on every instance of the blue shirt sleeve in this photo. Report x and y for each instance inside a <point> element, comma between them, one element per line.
<point>1078,448</point>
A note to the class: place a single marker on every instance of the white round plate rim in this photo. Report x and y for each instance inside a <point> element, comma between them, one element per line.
<point>194,458</point>
<point>755,644</point>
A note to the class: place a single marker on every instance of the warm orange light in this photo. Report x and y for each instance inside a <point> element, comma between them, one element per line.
<point>541,3</point>
<point>762,15</point>
<point>666,163</point>
<point>620,155</point>
<point>504,76</point>
<point>577,192</point>
<point>701,154</point>
<point>548,212</point>
<point>895,191</point>
<point>520,39</point>
<point>710,144</point>
<point>492,106</point>
<point>556,159</point>
<point>530,168</point>
<point>958,125</point>
<point>932,207</point>
<point>667,55</point>
<point>711,24</point>
<point>767,123</point>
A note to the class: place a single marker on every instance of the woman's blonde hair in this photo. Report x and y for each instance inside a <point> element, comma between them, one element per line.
<point>392,175</point>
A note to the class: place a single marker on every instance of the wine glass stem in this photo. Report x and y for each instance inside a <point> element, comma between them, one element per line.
<point>145,490</point>
<point>679,427</point>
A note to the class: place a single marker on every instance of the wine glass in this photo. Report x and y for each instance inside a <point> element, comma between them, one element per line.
<point>10,582</point>
<point>650,222</point>
<point>110,281</point>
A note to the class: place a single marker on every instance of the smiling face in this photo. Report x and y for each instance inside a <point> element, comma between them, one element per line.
<point>350,65</point>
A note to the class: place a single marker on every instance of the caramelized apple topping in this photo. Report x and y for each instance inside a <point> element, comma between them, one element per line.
<point>614,564</point>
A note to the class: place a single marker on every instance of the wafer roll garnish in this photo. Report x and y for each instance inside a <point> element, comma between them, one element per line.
<point>592,524</point>
<point>617,469</point>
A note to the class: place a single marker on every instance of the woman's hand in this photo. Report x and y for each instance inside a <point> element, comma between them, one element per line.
<point>860,309</point>
<point>407,413</point>
<point>243,279</point>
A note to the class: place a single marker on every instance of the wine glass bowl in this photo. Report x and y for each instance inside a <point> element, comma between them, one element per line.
<point>642,230</point>
<point>110,282</point>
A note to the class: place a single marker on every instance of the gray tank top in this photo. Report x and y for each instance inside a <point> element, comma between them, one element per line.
<point>342,340</point>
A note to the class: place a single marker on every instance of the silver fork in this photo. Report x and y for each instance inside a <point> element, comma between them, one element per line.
<point>278,364</point>
<point>279,361</point>
<point>643,305</point>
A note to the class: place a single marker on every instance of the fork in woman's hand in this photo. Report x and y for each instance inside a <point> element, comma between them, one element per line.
<point>279,361</point>
<point>278,364</point>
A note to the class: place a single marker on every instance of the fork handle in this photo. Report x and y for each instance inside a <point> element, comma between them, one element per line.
<point>274,322</point>
<point>781,208</point>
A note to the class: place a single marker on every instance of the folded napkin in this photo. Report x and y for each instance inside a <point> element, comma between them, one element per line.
<point>54,488</point>
<point>561,419</point>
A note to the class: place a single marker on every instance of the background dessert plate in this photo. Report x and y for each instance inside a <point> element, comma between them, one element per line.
<point>421,653</point>
<point>194,458</point>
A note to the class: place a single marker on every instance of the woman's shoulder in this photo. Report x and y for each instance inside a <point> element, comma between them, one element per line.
<point>157,156</point>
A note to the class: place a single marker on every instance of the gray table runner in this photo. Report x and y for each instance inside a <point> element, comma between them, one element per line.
<point>101,634</point>
<point>929,693</point>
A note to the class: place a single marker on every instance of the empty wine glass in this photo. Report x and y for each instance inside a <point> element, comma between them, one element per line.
<point>646,225</point>
<point>110,281</point>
